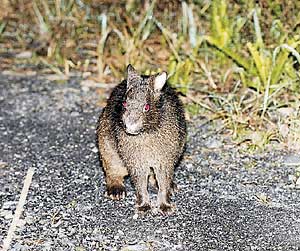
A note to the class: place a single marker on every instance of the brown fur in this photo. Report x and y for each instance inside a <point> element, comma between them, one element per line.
<point>136,142</point>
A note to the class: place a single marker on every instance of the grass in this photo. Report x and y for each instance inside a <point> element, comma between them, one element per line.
<point>235,61</point>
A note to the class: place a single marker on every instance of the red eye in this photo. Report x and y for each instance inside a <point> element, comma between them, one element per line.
<point>124,104</point>
<point>146,107</point>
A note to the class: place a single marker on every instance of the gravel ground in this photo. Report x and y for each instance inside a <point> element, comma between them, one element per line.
<point>228,199</point>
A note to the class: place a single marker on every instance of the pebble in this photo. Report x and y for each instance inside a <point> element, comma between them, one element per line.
<point>24,55</point>
<point>292,160</point>
<point>3,164</point>
<point>7,214</point>
<point>135,216</point>
<point>95,150</point>
<point>137,247</point>
<point>74,114</point>
<point>9,205</point>
<point>213,143</point>
<point>298,183</point>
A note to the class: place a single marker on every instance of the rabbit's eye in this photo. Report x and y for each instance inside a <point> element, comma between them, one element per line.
<point>124,103</point>
<point>146,107</point>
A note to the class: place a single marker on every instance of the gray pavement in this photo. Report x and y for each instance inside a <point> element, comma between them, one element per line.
<point>228,199</point>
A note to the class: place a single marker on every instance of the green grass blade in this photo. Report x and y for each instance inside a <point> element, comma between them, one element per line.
<point>259,63</point>
<point>42,25</point>
<point>2,27</point>
<point>231,54</point>
<point>167,36</point>
<point>220,25</point>
<point>259,40</point>
<point>142,24</point>
<point>282,58</point>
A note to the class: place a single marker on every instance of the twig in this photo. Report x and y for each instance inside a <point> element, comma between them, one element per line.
<point>208,74</point>
<point>19,209</point>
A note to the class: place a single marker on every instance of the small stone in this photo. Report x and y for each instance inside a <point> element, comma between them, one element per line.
<point>3,164</point>
<point>80,249</point>
<point>91,145</point>
<point>88,83</point>
<point>284,130</point>
<point>7,214</point>
<point>292,160</point>
<point>86,74</point>
<point>24,55</point>
<point>9,204</point>
<point>285,111</point>
<point>120,232</point>
<point>95,150</point>
<point>85,88</point>
<point>292,178</point>
<point>214,143</point>
<point>297,183</point>
<point>138,247</point>
<point>75,114</point>
<point>56,77</point>
<point>189,166</point>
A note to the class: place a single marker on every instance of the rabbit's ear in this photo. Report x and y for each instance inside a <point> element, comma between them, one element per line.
<point>133,77</point>
<point>131,72</point>
<point>159,81</point>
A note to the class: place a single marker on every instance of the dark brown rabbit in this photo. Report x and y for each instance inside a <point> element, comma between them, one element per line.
<point>142,130</point>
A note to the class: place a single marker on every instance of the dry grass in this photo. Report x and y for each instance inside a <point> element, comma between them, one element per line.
<point>237,61</point>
